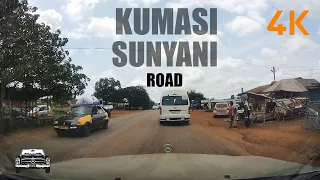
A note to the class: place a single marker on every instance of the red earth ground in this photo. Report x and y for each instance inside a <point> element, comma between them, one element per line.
<point>288,140</point>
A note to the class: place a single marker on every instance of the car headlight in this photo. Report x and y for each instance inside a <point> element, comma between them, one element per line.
<point>17,160</point>
<point>47,160</point>
<point>73,123</point>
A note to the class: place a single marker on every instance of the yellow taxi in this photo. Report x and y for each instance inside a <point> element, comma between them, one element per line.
<point>82,119</point>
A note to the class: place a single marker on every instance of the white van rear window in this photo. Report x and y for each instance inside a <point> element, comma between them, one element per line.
<point>174,100</point>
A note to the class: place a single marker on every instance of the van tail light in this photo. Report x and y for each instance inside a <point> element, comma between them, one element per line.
<point>160,110</point>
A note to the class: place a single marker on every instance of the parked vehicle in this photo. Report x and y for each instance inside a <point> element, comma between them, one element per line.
<point>155,107</point>
<point>174,106</point>
<point>40,111</point>
<point>84,117</point>
<point>221,109</point>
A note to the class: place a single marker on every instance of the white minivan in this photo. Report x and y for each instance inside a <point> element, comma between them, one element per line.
<point>174,106</point>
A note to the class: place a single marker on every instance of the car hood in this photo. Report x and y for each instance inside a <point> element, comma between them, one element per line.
<point>69,117</point>
<point>172,166</point>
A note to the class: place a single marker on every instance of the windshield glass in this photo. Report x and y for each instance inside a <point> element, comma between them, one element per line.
<point>174,100</point>
<point>80,110</point>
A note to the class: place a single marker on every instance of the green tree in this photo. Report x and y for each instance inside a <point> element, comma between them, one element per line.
<point>196,96</point>
<point>33,55</point>
<point>108,89</point>
<point>137,96</point>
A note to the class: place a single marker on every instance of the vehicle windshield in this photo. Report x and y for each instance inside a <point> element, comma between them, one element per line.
<point>174,100</point>
<point>80,110</point>
<point>82,79</point>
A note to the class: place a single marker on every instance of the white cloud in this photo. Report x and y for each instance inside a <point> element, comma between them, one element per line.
<point>75,9</point>
<point>236,6</point>
<point>76,35</point>
<point>72,52</point>
<point>103,27</point>
<point>144,3</point>
<point>299,43</point>
<point>258,61</point>
<point>32,2</point>
<point>242,25</point>
<point>241,80</point>
<point>230,62</point>
<point>51,18</point>
<point>267,52</point>
<point>138,81</point>
<point>97,27</point>
<point>312,5</point>
<point>273,55</point>
<point>192,76</point>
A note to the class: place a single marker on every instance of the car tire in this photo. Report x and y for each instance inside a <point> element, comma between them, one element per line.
<point>105,125</point>
<point>47,170</point>
<point>161,123</point>
<point>86,130</point>
<point>17,170</point>
<point>186,122</point>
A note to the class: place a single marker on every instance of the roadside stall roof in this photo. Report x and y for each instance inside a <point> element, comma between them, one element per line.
<point>17,94</point>
<point>288,85</point>
<point>255,94</point>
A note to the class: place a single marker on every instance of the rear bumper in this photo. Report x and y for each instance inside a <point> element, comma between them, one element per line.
<point>218,113</point>
<point>174,119</point>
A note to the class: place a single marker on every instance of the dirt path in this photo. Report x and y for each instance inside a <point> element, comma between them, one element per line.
<point>288,141</point>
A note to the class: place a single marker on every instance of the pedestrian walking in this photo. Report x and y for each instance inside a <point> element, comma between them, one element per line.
<point>233,113</point>
<point>247,116</point>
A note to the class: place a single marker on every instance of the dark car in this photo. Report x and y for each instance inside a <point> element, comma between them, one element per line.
<point>82,119</point>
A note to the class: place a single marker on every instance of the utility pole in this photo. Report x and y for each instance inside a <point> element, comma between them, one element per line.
<point>274,73</point>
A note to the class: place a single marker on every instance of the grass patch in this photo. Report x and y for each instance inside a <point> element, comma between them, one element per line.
<point>60,108</point>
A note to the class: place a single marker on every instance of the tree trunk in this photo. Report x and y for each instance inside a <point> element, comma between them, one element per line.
<point>2,94</point>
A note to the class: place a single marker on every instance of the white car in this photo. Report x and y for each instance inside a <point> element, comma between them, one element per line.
<point>41,111</point>
<point>174,106</point>
<point>155,107</point>
<point>221,109</point>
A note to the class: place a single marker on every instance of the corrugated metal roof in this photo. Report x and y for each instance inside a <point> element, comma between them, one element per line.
<point>259,89</point>
<point>289,85</point>
<point>262,95</point>
<point>308,83</point>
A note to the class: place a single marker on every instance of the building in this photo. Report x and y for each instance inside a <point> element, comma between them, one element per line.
<point>313,87</point>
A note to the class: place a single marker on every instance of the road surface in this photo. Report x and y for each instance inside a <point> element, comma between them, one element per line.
<point>139,133</point>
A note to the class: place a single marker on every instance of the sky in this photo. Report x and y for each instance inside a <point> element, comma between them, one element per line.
<point>247,51</point>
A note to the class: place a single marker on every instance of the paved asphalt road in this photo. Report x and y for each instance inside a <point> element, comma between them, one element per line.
<point>139,133</point>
